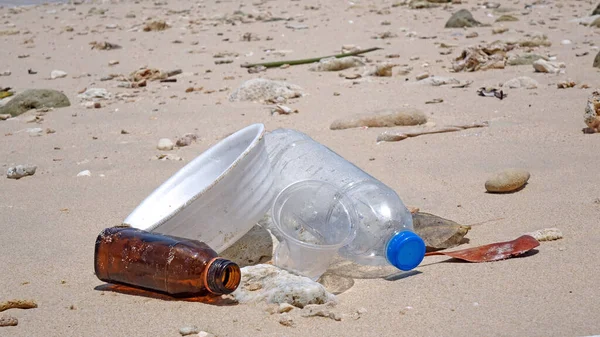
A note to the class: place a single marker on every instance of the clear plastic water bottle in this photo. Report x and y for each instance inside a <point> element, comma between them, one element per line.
<point>384,230</point>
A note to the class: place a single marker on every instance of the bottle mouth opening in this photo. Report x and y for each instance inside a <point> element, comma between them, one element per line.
<point>222,276</point>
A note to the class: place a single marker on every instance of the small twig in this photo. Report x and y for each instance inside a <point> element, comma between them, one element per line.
<point>17,304</point>
<point>306,61</point>
<point>394,136</point>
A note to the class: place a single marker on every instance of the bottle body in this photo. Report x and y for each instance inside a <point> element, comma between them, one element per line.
<point>381,213</point>
<point>164,263</point>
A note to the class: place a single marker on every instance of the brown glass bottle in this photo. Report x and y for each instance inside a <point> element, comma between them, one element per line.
<point>165,263</point>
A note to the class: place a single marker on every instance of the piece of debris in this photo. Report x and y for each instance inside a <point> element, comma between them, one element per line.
<point>437,232</point>
<point>493,252</point>
<point>482,57</point>
<point>17,304</point>
<point>524,59</point>
<point>20,171</point>
<point>398,135</point>
<point>435,101</point>
<point>95,94</point>
<point>264,90</point>
<point>547,234</point>
<point>155,26</point>
<point>509,180</point>
<point>186,139</point>
<point>309,60</point>
<point>192,89</point>
<point>381,118</point>
<point>565,84</point>
<point>283,110</point>
<point>521,82</point>
<point>257,69</point>
<point>104,45</point>
<point>596,63</point>
<point>381,70</point>
<point>591,115</point>
<point>169,156</point>
<point>267,283</point>
<point>491,92</point>
<point>544,66</point>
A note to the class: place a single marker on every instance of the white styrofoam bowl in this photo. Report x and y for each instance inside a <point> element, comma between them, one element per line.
<point>217,197</point>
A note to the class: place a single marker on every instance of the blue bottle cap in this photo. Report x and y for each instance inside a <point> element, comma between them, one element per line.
<point>405,250</point>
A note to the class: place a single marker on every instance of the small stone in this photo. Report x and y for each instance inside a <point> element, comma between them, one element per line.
<point>336,64</point>
<point>4,117</point>
<point>565,42</point>
<point>20,171</point>
<point>521,82</point>
<point>34,99</point>
<point>422,76</point>
<point>189,330</point>
<point>85,173</point>
<point>597,61</point>
<point>93,94</point>
<point>88,105</point>
<point>5,73</point>
<point>260,89</point>
<point>113,62</point>
<point>285,307</point>
<point>156,26</point>
<point>544,66</point>
<point>57,74</point>
<point>506,17</point>
<point>165,144</point>
<point>462,18</point>
<point>97,105</point>
<point>285,320</point>
<point>8,320</point>
<point>472,35</point>
<point>205,334</point>
<point>500,30</point>
<point>30,119</point>
<point>507,181</point>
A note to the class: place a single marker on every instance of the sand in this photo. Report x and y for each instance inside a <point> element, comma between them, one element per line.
<point>49,221</point>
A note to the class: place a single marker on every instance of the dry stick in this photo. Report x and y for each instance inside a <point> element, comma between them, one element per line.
<point>394,137</point>
<point>306,61</point>
<point>17,304</point>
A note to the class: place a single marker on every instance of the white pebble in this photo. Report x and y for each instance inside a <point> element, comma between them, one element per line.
<point>189,330</point>
<point>85,173</point>
<point>547,234</point>
<point>35,132</point>
<point>565,42</point>
<point>165,144</point>
<point>57,74</point>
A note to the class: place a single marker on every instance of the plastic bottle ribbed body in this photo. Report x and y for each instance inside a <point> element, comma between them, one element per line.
<point>381,213</point>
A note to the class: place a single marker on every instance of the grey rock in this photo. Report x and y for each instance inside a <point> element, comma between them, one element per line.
<point>462,18</point>
<point>20,171</point>
<point>254,247</point>
<point>189,330</point>
<point>597,61</point>
<point>521,82</point>
<point>508,180</point>
<point>335,64</point>
<point>381,118</point>
<point>524,59</point>
<point>34,99</point>
<point>260,90</point>
<point>267,283</point>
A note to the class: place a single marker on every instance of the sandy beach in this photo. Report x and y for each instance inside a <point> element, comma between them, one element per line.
<point>49,221</point>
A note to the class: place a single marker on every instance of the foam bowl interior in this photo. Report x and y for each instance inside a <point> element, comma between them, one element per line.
<point>217,197</point>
